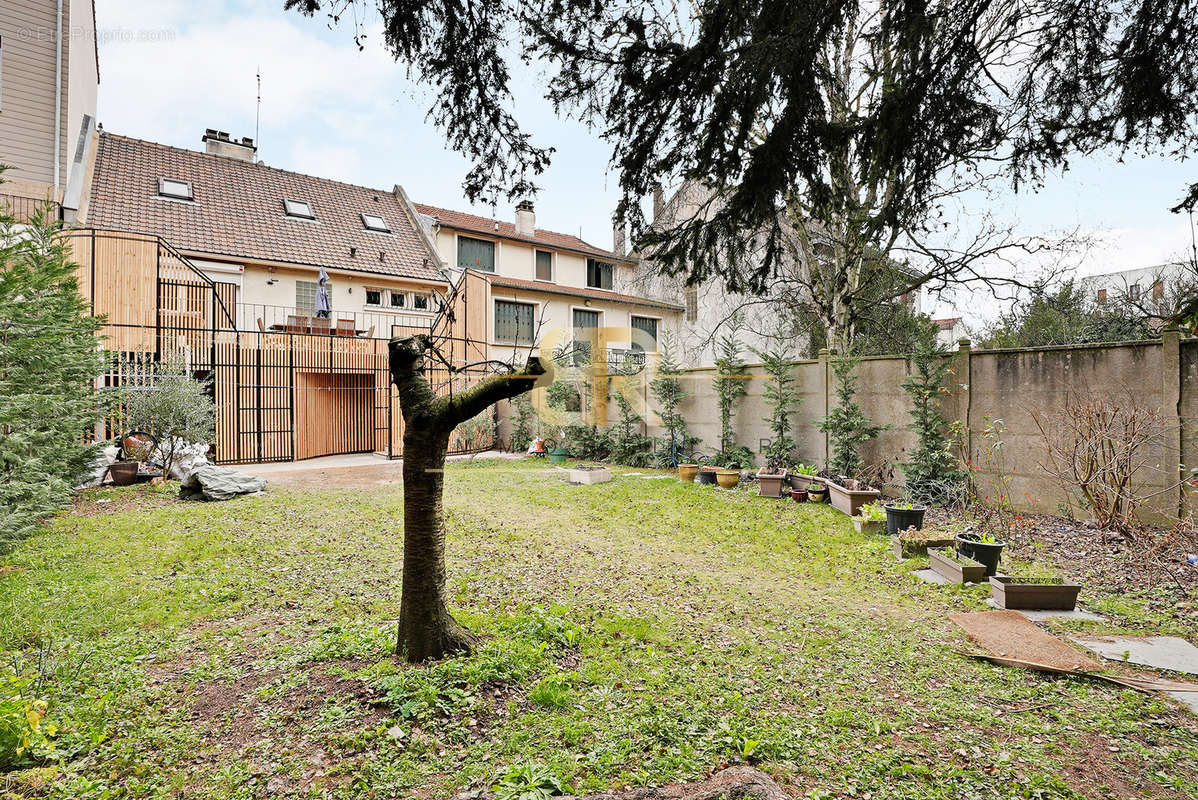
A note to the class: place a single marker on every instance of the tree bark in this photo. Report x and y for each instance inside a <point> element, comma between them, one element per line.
<point>426,628</point>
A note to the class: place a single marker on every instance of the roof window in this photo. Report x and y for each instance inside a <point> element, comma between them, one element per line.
<point>175,189</point>
<point>375,222</point>
<point>298,208</point>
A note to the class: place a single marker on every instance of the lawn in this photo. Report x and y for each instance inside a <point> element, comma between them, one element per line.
<point>635,633</point>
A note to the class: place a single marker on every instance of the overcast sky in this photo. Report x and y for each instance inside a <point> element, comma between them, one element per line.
<point>171,68</point>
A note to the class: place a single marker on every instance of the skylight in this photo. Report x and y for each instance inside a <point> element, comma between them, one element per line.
<point>298,208</point>
<point>375,222</point>
<point>179,190</point>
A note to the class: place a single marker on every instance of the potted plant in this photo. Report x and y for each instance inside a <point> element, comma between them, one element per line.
<point>799,495</point>
<point>957,568</point>
<point>902,515</point>
<point>558,455</point>
<point>727,478</point>
<point>769,482</point>
<point>123,473</point>
<point>803,474</point>
<point>870,518</point>
<point>706,476</point>
<point>851,495</point>
<point>981,547</point>
<point>912,543</point>
<point>687,472</point>
<point>1034,594</point>
<point>816,492</point>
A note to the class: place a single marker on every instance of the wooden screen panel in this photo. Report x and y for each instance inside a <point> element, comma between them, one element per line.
<point>334,414</point>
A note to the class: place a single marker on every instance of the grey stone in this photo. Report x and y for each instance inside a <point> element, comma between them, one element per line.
<point>218,483</point>
<point>1040,616</point>
<point>1158,652</point>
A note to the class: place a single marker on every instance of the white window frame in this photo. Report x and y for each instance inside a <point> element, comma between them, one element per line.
<point>366,290</point>
<point>536,315</point>
<point>382,221</point>
<point>162,190</point>
<point>392,293</point>
<point>552,265</point>
<point>428,308</point>
<point>631,329</point>
<point>598,327</point>
<point>293,214</point>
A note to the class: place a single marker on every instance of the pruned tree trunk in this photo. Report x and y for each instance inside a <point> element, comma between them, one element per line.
<point>426,628</point>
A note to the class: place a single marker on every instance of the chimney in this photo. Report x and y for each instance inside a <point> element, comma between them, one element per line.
<point>617,238</point>
<point>659,203</point>
<point>526,220</point>
<point>219,143</point>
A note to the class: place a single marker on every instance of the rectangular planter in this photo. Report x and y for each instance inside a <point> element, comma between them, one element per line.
<point>772,485</point>
<point>869,525</point>
<point>849,501</point>
<point>588,477</point>
<point>904,548</point>
<point>957,569</point>
<point>1034,594</point>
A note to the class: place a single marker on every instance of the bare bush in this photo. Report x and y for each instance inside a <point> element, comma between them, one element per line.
<point>1108,451</point>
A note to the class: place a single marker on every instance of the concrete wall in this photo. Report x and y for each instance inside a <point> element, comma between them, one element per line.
<point>1011,385</point>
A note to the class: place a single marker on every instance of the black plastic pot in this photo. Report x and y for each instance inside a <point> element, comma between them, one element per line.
<point>899,519</point>
<point>706,477</point>
<point>981,552</point>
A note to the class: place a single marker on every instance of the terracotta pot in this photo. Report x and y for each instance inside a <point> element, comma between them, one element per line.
<point>799,495</point>
<point>687,472</point>
<point>728,478</point>
<point>123,473</point>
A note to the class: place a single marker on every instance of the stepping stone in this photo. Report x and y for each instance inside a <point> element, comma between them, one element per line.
<point>931,576</point>
<point>1040,616</point>
<point>1159,652</point>
<point>654,477</point>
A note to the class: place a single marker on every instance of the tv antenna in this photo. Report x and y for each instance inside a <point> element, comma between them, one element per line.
<point>258,111</point>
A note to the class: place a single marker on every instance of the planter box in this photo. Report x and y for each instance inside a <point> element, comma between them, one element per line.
<point>864,525</point>
<point>770,485</point>
<point>908,548</point>
<point>1034,594</point>
<point>798,481</point>
<point>849,501</point>
<point>957,569</point>
<point>588,476</point>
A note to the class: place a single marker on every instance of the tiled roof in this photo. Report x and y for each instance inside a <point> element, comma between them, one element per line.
<point>507,230</point>
<point>238,211</point>
<point>947,323</point>
<point>578,291</point>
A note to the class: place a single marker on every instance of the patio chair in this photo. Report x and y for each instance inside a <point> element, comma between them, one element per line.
<point>321,325</point>
<point>345,327</point>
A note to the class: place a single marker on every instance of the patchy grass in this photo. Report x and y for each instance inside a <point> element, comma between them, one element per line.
<point>636,632</point>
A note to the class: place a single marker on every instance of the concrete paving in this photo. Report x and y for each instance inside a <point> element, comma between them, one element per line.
<point>1158,652</point>
<point>1039,616</point>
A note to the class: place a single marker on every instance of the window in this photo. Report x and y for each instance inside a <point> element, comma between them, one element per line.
<point>598,274</point>
<point>586,329</point>
<point>298,208</point>
<point>1102,297</point>
<point>374,297</point>
<point>375,222</point>
<point>513,322</point>
<point>420,302</point>
<point>305,294</point>
<point>648,327</point>
<point>544,265</point>
<point>692,304</point>
<point>1133,291</point>
<point>1158,291</point>
<point>476,254</point>
<point>178,190</point>
<point>399,299</point>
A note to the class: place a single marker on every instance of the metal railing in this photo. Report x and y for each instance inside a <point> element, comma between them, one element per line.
<point>24,208</point>
<point>288,319</point>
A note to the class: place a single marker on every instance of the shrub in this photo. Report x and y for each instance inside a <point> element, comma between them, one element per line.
<point>666,388</point>
<point>779,393</point>
<point>587,442</point>
<point>167,402</point>
<point>730,386</point>
<point>932,474</point>
<point>846,425</point>
<point>628,445</point>
<point>522,423</point>
<point>49,362</point>
<point>22,732</point>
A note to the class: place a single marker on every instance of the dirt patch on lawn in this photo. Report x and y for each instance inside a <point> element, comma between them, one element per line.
<point>103,501</point>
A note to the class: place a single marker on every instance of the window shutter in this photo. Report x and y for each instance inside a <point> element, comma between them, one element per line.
<point>476,254</point>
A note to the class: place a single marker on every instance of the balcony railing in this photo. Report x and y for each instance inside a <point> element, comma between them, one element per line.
<point>286,319</point>
<point>25,208</point>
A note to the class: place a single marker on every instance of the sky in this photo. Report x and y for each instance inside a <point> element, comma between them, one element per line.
<point>168,71</point>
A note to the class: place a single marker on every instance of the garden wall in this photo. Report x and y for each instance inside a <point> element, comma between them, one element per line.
<point>1011,385</point>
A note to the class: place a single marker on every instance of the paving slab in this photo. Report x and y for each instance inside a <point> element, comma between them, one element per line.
<point>1040,616</point>
<point>931,576</point>
<point>1189,698</point>
<point>1159,652</point>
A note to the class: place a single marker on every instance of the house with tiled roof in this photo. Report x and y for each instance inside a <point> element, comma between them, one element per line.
<point>265,233</point>
<point>548,289</point>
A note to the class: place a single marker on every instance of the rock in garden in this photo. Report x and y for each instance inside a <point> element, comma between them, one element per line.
<point>218,483</point>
